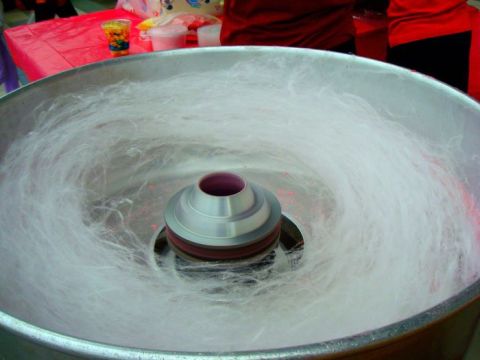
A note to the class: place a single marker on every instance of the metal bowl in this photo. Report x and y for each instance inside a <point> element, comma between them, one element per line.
<point>442,332</point>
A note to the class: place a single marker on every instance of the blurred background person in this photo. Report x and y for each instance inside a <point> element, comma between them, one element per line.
<point>8,71</point>
<point>47,9</point>
<point>326,24</point>
<point>432,37</point>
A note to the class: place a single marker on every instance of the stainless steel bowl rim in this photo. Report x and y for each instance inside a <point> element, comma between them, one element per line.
<point>90,349</point>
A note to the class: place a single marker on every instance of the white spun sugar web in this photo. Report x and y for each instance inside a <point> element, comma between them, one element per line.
<point>387,232</point>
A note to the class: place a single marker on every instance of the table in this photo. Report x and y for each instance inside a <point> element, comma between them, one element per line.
<point>46,48</point>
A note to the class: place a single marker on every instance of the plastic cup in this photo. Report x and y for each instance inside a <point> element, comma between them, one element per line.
<point>209,35</point>
<point>118,36</point>
<point>168,37</point>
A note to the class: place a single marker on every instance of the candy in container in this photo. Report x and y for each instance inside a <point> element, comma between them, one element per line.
<point>118,36</point>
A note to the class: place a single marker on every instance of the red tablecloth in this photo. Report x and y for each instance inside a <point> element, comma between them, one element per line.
<point>46,48</point>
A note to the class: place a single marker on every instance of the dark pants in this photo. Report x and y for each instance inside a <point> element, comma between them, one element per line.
<point>445,58</point>
<point>347,47</point>
<point>48,10</point>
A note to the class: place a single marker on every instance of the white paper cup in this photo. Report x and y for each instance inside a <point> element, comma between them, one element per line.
<point>168,37</point>
<point>209,35</point>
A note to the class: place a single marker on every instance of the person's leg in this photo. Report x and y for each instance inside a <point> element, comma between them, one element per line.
<point>9,69</point>
<point>44,10</point>
<point>64,8</point>
<point>445,58</point>
<point>347,47</point>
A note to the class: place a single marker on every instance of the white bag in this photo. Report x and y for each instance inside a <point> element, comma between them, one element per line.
<point>142,8</point>
<point>154,8</point>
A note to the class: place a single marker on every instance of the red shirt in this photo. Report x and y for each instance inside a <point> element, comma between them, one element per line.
<point>412,20</point>
<point>317,24</point>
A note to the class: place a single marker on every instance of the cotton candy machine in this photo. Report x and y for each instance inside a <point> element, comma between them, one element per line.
<point>242,203</point>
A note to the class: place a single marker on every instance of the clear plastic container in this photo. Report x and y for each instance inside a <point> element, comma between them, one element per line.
<point>209,35</point>
<point>168,37</point>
